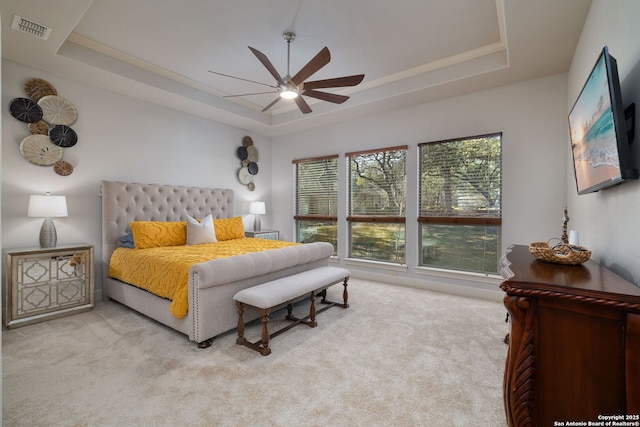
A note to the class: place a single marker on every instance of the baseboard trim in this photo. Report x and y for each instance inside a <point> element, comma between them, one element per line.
<point>471,289</point>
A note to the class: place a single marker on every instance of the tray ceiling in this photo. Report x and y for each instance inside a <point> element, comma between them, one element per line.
<point>411,51</point>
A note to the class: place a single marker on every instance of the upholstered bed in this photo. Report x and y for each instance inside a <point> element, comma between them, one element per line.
<point>211,284</point>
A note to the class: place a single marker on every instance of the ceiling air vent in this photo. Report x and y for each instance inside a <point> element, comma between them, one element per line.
<point>30,27</point>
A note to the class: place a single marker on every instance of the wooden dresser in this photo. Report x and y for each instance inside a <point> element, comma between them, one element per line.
<point>574,343</point>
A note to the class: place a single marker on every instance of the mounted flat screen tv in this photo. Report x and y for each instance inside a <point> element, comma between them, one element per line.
<point>598,128</point>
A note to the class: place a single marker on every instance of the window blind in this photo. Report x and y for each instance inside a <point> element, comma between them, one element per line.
<point>461,180</point>
<point>316,188</point>
<point>377,184</point>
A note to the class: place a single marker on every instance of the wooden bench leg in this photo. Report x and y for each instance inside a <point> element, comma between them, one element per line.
<point>345,294</point>
<point>240,308</point>
<point>345,297</point>
<point>312,311</point>
<point>323,294</point>
<point>261,347</point>
<point>290,312</point>
<point>264,347</point>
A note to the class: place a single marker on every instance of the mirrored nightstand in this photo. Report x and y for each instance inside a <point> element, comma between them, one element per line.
<point>45,283</point>
<point>263,234</point>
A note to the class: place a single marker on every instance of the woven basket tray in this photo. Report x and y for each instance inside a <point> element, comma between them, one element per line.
<point>560,254</point>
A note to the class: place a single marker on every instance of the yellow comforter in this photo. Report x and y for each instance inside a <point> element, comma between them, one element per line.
<point>164,271</point>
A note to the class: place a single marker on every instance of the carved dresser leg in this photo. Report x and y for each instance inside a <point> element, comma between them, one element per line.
<point>519,367</point>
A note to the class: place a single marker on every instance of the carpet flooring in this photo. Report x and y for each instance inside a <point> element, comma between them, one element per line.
<point>397,356</point>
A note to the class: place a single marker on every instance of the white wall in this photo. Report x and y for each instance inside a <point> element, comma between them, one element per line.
<point>608,221</point>
<point>532,118</point>
<point>126,139</point>
<point>119,138</point>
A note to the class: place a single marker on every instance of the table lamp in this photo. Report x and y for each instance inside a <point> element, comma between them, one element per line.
<point>47,207</point>
<point>257,209</point>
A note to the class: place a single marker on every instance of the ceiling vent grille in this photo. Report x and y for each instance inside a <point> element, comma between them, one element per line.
<point>30,27</point>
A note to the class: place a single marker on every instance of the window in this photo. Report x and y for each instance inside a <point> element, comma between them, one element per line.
<point>377,204</point>
<point>460,205</point>
<point>316,200</point>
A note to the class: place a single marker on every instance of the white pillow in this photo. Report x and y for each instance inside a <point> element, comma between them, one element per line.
<point>200,232</point>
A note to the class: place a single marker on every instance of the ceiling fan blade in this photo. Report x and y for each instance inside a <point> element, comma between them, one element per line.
<point>335,82</point>
<point>302,105</point>
<point>267,64</point>
<point>270,105</point>
<point>331,97</point>
<point>240,78</point>
<point>247,94</point>
<point>320,60</point>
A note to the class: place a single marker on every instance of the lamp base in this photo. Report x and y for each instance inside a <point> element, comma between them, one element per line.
<point>256,223</point>
<point>48,235</point>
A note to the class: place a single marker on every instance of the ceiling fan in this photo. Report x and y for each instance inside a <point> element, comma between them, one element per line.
<point>296,87</point>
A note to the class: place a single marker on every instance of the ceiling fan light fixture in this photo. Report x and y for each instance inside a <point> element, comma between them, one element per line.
<point>288,89</point>
<point>289,94</point>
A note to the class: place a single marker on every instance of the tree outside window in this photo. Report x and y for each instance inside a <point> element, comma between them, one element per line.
<point>377,204</point>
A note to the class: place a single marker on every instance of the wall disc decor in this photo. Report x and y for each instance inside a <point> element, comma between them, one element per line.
<point>253,168</point>
<point>25,110</point>
<point>38,128</point>
<point>248,155</point>
<point>63,168</point>
<point>58,111</point>
<point>39,150</point>
<point>252,153</point>
<point>48,117</point>
<point>63,136</point>
<point>244,176</point>
<point>242,153</point>
<point>37,88</point>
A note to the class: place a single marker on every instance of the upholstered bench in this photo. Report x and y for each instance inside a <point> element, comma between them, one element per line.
<point>269,296</point>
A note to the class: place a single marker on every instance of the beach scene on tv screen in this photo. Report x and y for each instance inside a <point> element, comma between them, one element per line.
<point>593,136</point>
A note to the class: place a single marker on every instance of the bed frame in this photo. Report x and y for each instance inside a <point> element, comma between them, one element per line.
<point>212,284</point>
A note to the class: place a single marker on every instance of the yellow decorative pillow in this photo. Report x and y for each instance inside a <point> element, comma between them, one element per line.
<point>152,234</point>
<point>228,228</point>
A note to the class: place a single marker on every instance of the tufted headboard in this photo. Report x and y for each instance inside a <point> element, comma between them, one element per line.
<point>124,202</point>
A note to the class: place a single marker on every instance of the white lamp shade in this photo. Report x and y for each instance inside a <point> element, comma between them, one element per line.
<point>47,206</point>
<point>257,208</point>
